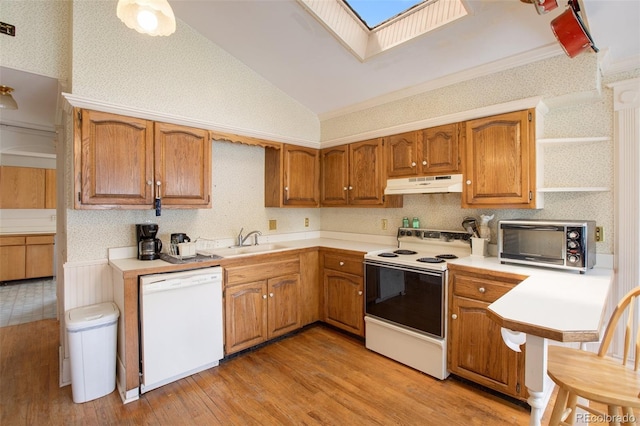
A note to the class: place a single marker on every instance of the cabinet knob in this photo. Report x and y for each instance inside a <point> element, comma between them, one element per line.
<point>359,292</point>
<point>454,316</point>
<point>481,290</point>
<point>286,188</point>
<point>270,294</point>
<point>413,164</point>
<point>344,188</point>
<point>264,296</point>
<point>341,263</point>
<point>469,182</point>
<point>149,183</point>
<point>424,162</point>
<point>350,187</point>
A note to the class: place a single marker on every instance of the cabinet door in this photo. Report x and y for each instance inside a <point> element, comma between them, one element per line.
<point>335,176</point>
<point>477,350</point>
<point>344,301</point>
<point>301,176</point>
<point>12,262</point>
<point>439,150</point>
<point>113,160</point>
<point>245,315</point>
<point>500,161</point>
<point>50,189</point>
<point>39,260</point>
<point>402,155</point>
<point>182,165</point>
<point>22,188</point>
<point>366,184</point>
<point>283,306</point>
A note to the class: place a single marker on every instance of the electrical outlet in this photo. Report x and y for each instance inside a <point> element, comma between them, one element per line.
<point>273,224</point>
<point>599,233</point>
<point>306,222</point>
<point>7,29</point>
<point>384,224</point>
<point>53,218</point>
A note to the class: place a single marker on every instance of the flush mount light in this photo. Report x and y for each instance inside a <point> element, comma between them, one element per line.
<point>152,17</point>
<point>6,100</point>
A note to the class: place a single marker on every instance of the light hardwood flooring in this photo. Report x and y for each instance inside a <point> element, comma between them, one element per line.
<point>316,377</point>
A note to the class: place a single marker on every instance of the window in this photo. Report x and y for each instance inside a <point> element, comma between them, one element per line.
<point>375,12</point>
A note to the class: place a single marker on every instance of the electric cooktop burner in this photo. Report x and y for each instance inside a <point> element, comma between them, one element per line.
<point>388,255</point>
<point>402,251</point>
<point>447,256</point>
<point>430,260</point>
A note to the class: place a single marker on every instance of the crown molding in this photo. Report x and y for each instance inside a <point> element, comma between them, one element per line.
<point>82,102</point>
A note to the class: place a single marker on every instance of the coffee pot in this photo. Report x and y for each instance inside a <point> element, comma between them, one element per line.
<point>149,246</point>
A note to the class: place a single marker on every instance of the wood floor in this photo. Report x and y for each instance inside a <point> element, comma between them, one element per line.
<point>316,377</point>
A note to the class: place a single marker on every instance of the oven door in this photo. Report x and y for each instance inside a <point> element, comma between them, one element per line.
<point>409,297</point>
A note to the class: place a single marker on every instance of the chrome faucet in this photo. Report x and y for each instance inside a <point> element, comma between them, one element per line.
<point>241,239</point>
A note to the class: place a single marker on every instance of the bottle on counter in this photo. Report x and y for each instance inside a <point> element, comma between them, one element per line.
<point>416,222</point>
<point>405,222</point>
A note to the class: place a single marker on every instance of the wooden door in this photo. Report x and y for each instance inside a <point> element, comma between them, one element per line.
<point>113,158</point>
<point>283,306</point>
<point>500,161</point>
<point>344,301</point>
<point>22,188</point>
<point>366,184</point>
<point>245,315</point>
<point>402,155</point>
<point>182,166</point>
<point>334,176</point>
<point>301,176</point>
<point>439,147</point>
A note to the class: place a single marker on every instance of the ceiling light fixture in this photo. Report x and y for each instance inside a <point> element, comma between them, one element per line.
<point>6,100</point>
<point>152,17</point>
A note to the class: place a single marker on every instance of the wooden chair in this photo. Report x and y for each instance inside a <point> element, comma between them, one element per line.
<point>597,378</point>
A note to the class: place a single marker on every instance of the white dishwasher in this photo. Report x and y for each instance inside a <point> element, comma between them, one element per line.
<point>180,325</point>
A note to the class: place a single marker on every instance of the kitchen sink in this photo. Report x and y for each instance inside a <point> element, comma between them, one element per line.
<point>234,251</point>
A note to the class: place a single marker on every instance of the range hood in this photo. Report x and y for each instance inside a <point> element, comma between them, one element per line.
<point>424,185</point>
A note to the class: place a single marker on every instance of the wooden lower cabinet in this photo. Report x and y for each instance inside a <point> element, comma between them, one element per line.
<point>26,256</point>
<point>475,347</point>
<point>343,282</point>
<point>261,302</point>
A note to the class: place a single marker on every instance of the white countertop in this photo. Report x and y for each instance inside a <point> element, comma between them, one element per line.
<point>562,305</point>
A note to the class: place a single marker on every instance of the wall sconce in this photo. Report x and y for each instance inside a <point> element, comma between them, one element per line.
<point>6,100</point>
<point>152,17</point>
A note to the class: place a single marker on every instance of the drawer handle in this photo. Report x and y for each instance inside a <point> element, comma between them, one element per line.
<point>454,316</point>
<point>341,263</point>
<point>481,290</point>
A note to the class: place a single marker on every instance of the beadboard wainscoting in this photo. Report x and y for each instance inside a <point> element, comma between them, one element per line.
<point>85,283</point>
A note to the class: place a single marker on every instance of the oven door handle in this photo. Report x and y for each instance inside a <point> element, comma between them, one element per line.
<point>405,268</point>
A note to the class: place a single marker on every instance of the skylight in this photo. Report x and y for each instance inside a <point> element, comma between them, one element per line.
<point>375,12</point>
<point>395,26</point>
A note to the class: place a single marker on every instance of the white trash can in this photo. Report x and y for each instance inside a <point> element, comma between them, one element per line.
<point>92,332</point>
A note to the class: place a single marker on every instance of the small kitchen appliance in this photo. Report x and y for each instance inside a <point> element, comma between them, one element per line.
<point>149,246</point>
<point>561,244</point>
<point>406,294</point>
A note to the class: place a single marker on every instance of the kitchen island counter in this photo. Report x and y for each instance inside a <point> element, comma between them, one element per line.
<point>564,306</point>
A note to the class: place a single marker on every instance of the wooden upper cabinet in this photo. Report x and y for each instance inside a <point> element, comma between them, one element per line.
<point>125,162</point>
<point>366,171</point>
<point>292,176</point>
<point>439,150</point>
<point>334,190</point>
<point>500,169</point>
<point>402,155</point>
<point>424,152</point>
<point>22,188</point>
<point>50,189</point>
<point>182,165</point>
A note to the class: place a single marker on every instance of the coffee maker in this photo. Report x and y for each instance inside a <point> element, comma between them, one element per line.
<point>148,245</point>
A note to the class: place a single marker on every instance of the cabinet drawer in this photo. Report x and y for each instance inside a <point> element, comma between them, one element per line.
<point>11,241</point>
<point>40,239</point>
<point>351,265</point>
<point>479,289</point>
<point>261,271</point>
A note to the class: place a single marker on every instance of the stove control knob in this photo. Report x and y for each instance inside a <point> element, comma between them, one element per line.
<point>573,235</point>
<point>573,244</point>
<point>573,258</point>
